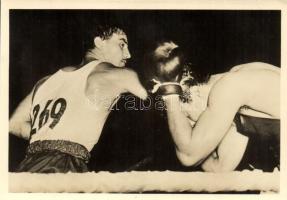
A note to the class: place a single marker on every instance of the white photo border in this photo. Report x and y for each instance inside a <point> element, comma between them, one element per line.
<point>129,4</point>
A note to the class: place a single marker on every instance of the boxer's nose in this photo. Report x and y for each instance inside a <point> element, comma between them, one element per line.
<point>127,54</point>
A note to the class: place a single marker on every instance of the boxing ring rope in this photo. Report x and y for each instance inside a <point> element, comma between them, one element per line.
<point>148,181</point>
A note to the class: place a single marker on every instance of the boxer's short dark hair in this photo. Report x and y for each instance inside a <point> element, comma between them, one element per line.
<point>104,31</point>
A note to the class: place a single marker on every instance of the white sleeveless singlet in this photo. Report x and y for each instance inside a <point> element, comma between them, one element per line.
<point>61,111</point>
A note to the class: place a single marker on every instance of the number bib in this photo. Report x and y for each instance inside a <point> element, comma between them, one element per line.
<point>50,111</point>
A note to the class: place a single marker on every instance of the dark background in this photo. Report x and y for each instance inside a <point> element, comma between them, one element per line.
<point>43,41</point>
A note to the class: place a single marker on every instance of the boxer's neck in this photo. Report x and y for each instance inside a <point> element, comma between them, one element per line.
<point>94,54</point>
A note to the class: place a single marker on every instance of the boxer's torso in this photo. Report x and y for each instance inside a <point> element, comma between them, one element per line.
<point>61,109</point>
<point>266,100</point>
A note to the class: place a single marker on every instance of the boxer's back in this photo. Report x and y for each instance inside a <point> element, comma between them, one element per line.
<point>62,111</point>
<point>261,87</point>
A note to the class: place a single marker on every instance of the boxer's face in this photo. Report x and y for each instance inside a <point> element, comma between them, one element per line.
<point>115,50</point>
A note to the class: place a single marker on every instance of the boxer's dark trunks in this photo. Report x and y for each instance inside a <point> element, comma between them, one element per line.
<point>55,156</point>
<point>263,148</point>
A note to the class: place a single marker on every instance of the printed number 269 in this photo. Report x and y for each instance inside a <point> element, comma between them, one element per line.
<point>46,114</point>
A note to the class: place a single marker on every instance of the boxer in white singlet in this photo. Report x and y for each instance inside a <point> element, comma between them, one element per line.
<point>64,115</point>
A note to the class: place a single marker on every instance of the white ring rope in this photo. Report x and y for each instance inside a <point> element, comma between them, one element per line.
<point>167,181</point>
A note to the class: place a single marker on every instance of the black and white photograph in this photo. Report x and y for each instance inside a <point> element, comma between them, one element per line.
<point>144,101</point>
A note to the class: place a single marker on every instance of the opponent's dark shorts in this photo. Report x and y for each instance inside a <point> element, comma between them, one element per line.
<point>263,148</point>
<point>55,156</point>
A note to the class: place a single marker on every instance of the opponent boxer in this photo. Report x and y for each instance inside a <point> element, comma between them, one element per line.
<point>213,127</point>
<point>64,115</point>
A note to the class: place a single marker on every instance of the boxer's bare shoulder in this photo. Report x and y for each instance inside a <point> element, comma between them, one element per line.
<point>228,90</point>
<point>249,88</point>
<point>248,76</point>
<point>108,72</point>
<point>243,71</point>
<point>214,78</point>
<point>255,66</point>
<point>113,80</point>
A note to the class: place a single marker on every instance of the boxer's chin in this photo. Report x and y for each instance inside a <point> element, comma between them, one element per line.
<point>121,64</point>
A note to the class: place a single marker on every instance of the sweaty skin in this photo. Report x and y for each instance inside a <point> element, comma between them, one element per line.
<point>252,89</point>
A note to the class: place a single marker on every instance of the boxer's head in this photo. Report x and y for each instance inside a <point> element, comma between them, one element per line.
<point>169,60</point>
<point>165,58</point>
<point>164,48</point>
<point>165,55</point>
<point>108,44</point>
<point>167,50</point>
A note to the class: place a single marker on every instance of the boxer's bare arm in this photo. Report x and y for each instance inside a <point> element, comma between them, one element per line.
<point>194,145</point>
<point>119,79</point>
<point>179,124</point>
<point>229,152</point>
<point>19,123</point>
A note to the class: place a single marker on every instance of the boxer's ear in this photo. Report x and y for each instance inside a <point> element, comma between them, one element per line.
<point>98,42</point>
